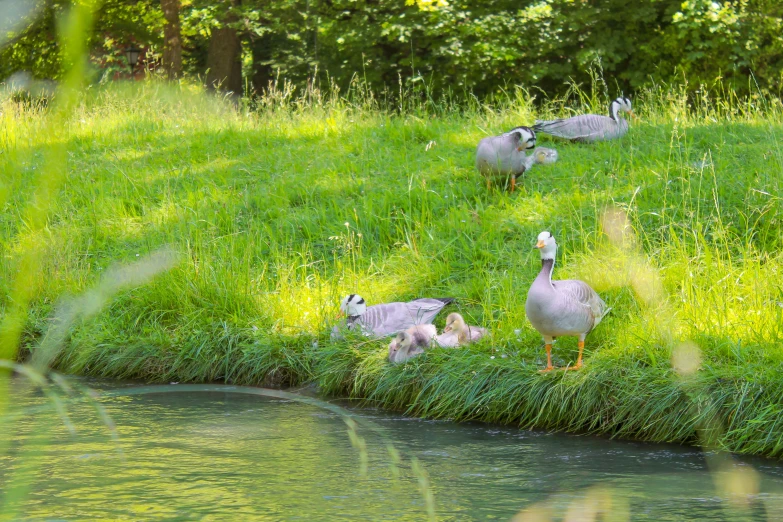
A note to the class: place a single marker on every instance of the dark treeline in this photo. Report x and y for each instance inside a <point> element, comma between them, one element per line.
<point>465,46</point>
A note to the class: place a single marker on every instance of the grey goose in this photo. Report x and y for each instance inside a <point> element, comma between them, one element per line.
<point>387,319</point>
<point>588,128</point>
<point>502,158</point>
<point>558,308</point>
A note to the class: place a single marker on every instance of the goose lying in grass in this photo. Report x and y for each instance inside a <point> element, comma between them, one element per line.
<point>544,155</point>
<point>382,320</point>
<point>503,157</point>
<point>557,308</point>
<point>465,334</point>
<point>411,342</point>
<point>588,128</point>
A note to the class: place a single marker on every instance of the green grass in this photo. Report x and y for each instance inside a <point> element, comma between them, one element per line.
<point>279,211</point>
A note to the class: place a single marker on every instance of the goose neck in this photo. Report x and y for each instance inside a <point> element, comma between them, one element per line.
<point>547,266</point>
<point>614,109</point>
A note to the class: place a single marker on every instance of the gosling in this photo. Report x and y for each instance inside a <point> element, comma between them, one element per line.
<point>411,342</point>
<point>465,334</point>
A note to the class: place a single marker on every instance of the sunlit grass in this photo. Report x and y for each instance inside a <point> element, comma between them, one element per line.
<point>280,210</point>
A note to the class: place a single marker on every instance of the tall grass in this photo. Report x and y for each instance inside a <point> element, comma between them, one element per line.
<point>281,207</point>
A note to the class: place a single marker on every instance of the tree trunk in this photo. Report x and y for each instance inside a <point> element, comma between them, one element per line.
<point>224,65</point>
<point>262,71</point>
<point>172,39</point>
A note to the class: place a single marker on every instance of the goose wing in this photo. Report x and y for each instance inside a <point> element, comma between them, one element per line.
<point>587,127</point>
<point>391,318</point>
<point>423,311</point>
<point>581,293</point>
<point>385,319</point>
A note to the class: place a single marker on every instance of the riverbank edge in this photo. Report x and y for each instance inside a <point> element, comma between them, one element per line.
<point>733,409</point>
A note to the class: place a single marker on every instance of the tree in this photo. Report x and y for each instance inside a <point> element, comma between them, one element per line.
<point>172,39</point>
<point>224,66</point>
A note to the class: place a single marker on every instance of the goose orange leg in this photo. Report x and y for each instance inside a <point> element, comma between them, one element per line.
<point>513,183</point>
<point>578,364</point>
<point>549,366</point>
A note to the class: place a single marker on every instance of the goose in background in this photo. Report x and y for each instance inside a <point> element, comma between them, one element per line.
<point>382,320</point>
<point>503,157</point>
<point>465,334</point>
<point>589,128</point>
<point>558,308</point>
<point>544,155</point>
<point>411,342</point>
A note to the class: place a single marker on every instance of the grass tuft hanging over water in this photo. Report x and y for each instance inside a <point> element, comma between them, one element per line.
<point>278,210</point>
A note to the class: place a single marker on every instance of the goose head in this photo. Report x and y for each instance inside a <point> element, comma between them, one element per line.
<point>399,347</point>
<point>526,137</point>
<point>547,245</point>
<point>353,305</point>
<point>619,105</point>
<point>454,322</point>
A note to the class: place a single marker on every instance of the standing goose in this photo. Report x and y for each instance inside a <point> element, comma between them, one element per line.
<point>503,157</point>
<point>411,342</point>
<point>388,319</point>
<point>588,128</point>
<point>465,334</point>
<point>557,308</point>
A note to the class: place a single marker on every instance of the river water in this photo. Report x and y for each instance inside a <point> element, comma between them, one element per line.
<point>226,453</point>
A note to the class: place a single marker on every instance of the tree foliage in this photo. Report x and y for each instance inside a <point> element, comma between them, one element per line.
<point>461,45</point>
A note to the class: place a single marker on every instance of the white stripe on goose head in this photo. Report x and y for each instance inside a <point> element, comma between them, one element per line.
<point>353,305</point>
<point>546,244</point>
<point>615,107</point>
<point>527,137</point>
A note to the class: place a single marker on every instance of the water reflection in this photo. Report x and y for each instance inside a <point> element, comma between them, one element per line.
<point>221,455</point>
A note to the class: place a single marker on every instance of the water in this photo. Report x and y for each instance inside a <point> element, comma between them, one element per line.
<point>221,455</point>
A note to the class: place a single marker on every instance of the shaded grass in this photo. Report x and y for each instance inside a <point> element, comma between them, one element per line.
<point>279,212</point>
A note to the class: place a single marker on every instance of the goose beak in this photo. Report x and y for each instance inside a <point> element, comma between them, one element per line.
<point>634,116</point>
<point>540,244</point>
<point>520,148</point>
<point>340,315</point>
<point>447,329</point>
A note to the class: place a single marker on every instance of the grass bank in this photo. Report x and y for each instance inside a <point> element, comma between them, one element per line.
<point>277,212</point>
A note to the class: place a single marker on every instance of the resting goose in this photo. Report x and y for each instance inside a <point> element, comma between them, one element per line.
<point>544,155</point>
<point>465,334</point>
<point>411,342</point>
<point>503,157</point>
<point>382,320</point>
<point>588,128</point>
<point>557,308</point>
